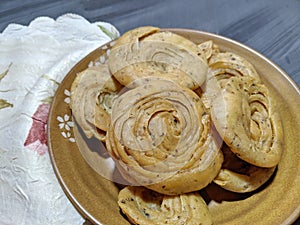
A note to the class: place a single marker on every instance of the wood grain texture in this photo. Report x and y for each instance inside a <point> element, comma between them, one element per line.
<point>272,27</point>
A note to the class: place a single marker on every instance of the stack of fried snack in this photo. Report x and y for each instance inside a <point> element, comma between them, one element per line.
<point>176,116</point>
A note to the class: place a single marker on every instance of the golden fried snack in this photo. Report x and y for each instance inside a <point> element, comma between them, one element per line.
<point>245,116</point>
<point>239,176</point>
<point>223,66</point>
<point>136,34</point>
<point>145,207</point>
<point>159,50</point>
<point>160,136</point>
<point>231,64</point>
<point>131,74</point>
<point>208,48</point>
<point>92,94</point>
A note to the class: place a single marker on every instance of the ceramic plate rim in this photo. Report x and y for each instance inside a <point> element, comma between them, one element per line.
<point>65,188</point>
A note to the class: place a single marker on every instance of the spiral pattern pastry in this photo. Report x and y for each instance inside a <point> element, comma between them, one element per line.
<point>223,66</point>
<point>245,116</point>
<point>208,48</point>
<point>160,136</point>
<point>143,206</point>
<point>169,54</point>
<point>92,95</point>
<point>230,64</point>
<point>239,176</point>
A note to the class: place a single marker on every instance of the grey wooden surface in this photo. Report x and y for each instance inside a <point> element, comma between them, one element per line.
<point>272,27</point>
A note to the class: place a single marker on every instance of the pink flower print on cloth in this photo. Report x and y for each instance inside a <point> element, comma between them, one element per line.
<point>37,137</point>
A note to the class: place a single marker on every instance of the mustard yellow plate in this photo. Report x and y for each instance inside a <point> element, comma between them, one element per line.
<point>95,196</point>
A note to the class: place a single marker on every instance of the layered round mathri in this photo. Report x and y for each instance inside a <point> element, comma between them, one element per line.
<point>92,94</point>
<point>160,50</point>
<point>143,206</point>
<point>130,75</point>
<point>208,48</point>
<point>160,136</point>
<point>231,64</point>
<point>223,66</point>
<point>245,116</point>
<point>136,34</point>
<point>239,176</point>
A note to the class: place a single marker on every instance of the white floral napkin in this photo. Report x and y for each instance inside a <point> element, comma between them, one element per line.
<point>33,61</point>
